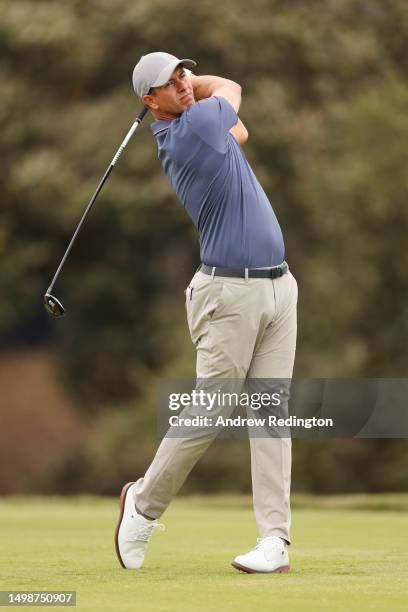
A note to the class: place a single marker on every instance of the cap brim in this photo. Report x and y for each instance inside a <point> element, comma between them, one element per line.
<point>166,73</point>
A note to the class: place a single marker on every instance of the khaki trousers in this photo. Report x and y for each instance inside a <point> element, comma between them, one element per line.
<point>242,328</point>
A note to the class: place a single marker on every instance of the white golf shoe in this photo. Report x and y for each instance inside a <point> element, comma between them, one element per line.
<point>133,531</point>
<point>269,555</point>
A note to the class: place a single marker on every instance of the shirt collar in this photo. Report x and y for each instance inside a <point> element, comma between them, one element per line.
<point>159,126</point>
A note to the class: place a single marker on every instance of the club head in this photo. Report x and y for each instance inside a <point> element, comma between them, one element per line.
<point>53,305</point>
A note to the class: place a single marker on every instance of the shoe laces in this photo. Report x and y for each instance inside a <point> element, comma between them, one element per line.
<point>269,541</point>
<point>144,532</point>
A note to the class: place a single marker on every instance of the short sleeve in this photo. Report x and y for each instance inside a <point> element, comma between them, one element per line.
<point>212,120</point>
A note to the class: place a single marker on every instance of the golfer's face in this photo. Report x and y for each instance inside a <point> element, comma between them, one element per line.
<point>176,95</point>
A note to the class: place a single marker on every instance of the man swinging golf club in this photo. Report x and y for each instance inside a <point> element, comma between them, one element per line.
<point>241,303</point>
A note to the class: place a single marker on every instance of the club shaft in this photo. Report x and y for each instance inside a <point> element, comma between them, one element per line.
<point>98,189</point>
<point>84,216</point>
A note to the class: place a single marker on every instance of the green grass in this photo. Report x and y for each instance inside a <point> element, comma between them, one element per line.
<point>349,556</point>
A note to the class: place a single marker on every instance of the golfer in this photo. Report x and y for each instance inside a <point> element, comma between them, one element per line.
<point>241,303</point>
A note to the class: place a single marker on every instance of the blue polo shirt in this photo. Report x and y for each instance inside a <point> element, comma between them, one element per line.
<point>209,172</point>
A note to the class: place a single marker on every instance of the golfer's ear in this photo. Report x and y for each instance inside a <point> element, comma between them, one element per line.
<point>149,101</point>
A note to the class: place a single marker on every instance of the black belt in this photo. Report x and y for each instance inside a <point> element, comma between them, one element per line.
<point>274,272</point>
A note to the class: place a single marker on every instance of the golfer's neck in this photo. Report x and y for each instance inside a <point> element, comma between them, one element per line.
<point>163,116</point>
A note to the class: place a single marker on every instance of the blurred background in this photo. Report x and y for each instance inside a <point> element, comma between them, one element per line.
<point>325,100</point>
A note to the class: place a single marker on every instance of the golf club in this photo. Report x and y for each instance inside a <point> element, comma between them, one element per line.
<point>51,303</point>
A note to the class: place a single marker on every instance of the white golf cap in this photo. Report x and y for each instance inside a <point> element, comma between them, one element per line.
<point>155,69</point>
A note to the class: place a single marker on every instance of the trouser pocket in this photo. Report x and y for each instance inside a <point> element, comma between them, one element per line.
<point>203,300</point>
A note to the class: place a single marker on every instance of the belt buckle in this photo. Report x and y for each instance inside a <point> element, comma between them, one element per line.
<point>277,271</point>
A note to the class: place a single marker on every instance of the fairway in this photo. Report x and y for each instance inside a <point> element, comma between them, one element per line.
<point>341,559</point>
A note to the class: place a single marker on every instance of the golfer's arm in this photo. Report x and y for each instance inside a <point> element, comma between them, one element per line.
<point>208,85</point>
<point>239,132</point>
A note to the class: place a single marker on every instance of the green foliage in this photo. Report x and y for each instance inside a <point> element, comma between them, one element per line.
<point>325,100</point>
